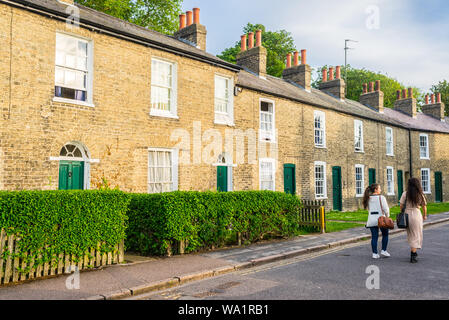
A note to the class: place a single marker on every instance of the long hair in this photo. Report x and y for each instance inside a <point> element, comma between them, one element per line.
<point>368,192</point>
<point>415,193</point>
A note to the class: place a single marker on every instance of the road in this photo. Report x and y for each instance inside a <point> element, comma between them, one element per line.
<point>338,274</point>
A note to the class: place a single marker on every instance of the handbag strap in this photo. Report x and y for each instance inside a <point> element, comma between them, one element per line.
<point>381,207</point>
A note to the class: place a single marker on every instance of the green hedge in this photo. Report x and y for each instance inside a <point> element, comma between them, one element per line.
<point>67,222</point>
<point>206,219</point>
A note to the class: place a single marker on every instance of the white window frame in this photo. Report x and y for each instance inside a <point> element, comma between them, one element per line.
<point>175,166</point>
<point>173,112</point>
<point>90,70</point>
<point>267,136</point>
<point>389,140</point>
<point>357,124</point>
<point>362,167</point>
<point>323,165</point>
<point>390,183</point>
<point>429,190</point>
<point>427,155</point>
<point>273,164</point>
<point>225,118</point>
<point>322,119</point>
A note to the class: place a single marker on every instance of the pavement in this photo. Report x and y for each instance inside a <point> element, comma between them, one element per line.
<point>142,275</point>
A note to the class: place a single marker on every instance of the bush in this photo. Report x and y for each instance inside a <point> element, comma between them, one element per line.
<point>70,222</point>
<point>206,219</point>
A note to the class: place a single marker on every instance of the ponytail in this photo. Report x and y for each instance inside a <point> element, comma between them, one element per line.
<point>368,192</point>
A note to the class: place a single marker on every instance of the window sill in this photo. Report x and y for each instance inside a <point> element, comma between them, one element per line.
<point>325,198</point>
<point>74,102</point>
<point>163,115</point>
<point>359,151</point>
<point>390,155</point>
<point>320,147</point>
<point>424,158</point>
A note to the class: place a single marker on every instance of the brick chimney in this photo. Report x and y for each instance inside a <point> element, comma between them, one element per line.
<point>374,98</point>
<point>299,73</point>
<point>255,57</point>
<point>434,108</point>
<point>335,85</point>
<point>191,30</point>
<point>406,103</point>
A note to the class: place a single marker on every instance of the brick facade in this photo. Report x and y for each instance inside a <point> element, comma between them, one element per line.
<point>118,129</point>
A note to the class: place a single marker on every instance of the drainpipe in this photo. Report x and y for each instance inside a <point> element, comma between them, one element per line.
<point>410,151</point>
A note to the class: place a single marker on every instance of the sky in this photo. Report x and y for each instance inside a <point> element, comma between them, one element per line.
<point>406,39</point>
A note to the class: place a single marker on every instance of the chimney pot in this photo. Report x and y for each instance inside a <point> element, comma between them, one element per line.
<point>189,18</point>
<point>371,87</point>
<point>398,95</point>
<point>289,60</point>
<point>410,92</point>
<point>378,85</point>
<point>338,72</point>
<point>438,97</point>
<point>331,73</point>
<point>365,88</point>
<point>196,15</point>
<point>324,71</point>
<point>296,58</point>
<point>404,93</point>
<point>182,21</point>
<point>427,99</point>
<point>303,56</point>
<point>258,38</point>
<point>243,43</point>
<point>432,98</point>
<point>250,40</point>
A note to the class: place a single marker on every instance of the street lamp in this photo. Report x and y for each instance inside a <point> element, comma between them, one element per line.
<point>346,60</point>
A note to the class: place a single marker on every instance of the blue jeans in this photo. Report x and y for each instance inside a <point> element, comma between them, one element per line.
<point>375,238</point>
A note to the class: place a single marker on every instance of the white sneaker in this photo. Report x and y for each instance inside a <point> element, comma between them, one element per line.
<point>376,256</point>
<point>385,254</point>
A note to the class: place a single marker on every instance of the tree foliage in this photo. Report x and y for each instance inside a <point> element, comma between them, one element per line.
<point>443,88</point>
<point>357,77</point>
<point>158,15</point>
<point>277,43</point>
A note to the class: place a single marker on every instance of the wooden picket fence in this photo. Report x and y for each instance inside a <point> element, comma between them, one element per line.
<point>313,214</point>
<point>11,265</point>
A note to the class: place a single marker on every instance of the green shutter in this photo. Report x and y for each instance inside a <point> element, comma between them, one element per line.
<point>438,187</point>
<point>372,176</point>
<point>400,184</point>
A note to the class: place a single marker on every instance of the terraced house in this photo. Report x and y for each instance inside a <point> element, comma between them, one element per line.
<point>99,101</point>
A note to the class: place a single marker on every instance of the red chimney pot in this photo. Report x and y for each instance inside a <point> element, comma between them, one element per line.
<point>258,38</point>
<point>324,71</point>
<point>182,21</point>
<point>243,43</point>
<point>338,72</point>
<point>365,88</point>
<point>303,56</point>
<point>432,98</point>
<point>196,15</point>
<point>438,97</point>
<point>289,60</point>
<point>189,18</point>
<point>331,73</point>
<point>250,40</point>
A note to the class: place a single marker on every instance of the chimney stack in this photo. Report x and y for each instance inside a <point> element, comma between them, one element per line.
<point>334,86</point>
<point>406,104</point>
<point>434,109</point>
<point>300,74</point>
<point>191,30</point>
<point>255,58</point>
<point>374,98</point>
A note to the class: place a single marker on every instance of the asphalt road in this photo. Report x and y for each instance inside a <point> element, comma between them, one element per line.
<point>340,274</point>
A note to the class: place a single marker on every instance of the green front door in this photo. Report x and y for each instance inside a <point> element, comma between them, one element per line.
<point>71,175</point>
<point>222,179</point>
<point>372,176</point>
<point>400,184</point>
<point>336,189</point>
<point>289,179</point>
<point>438,187</point>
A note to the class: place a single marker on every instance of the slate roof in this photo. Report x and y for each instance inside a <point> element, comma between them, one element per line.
<point>108,23</point>
<point>270,85</point>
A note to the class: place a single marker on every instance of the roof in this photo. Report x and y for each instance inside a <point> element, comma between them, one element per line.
<point>108,23</point>
<point>286,89</point>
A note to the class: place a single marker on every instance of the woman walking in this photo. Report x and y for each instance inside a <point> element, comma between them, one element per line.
<point>414,199</point>
<point>377,206</point>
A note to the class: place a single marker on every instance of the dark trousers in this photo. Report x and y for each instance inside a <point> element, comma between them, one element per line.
<point>375,238</point>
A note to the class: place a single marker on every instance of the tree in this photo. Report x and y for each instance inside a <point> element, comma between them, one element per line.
<point>443,88</point>
<point>357,77</point>
<point>277,43</point>
<point>158,15</point>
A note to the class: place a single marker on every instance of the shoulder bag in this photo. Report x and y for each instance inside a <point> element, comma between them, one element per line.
<point>384,222</point>
<point>402,218</point>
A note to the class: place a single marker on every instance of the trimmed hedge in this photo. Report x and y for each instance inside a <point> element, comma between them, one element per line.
<point>206,219</point>
<point>69,222</point>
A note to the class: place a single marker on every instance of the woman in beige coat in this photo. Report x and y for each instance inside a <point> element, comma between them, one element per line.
<point>415,201</point>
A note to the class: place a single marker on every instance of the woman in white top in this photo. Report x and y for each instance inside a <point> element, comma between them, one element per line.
<point>377,206</point>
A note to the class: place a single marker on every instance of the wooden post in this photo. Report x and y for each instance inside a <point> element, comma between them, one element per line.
<point>322,220</point>
<point>121,252</point>
<point>8,270</point>
<point>2,246</point>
